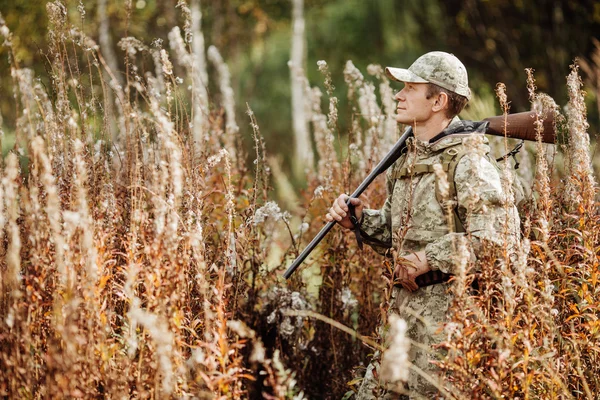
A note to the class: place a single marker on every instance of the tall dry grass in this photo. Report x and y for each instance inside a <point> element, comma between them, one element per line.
<point>140,256</point>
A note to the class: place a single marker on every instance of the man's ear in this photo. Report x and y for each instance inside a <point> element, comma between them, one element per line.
<point>441,102</point>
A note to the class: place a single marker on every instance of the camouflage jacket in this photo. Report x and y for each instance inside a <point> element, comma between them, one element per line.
<point>412,218</point>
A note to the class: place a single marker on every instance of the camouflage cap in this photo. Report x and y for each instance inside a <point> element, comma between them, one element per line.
<point>438,67</point>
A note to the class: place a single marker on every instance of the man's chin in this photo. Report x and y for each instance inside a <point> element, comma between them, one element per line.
<point>403,120</point>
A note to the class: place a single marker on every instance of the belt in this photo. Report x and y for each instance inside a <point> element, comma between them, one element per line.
<point>432,278</point>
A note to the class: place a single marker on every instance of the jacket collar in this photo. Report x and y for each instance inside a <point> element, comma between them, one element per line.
<point>458,126</point>
<point>454,134</point>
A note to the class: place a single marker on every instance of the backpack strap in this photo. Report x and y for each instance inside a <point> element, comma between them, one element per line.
<point>412,170</point>
<point>450,159</point>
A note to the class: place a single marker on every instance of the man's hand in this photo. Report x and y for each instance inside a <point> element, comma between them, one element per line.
<point>339,211</point>
<point>408,268</point>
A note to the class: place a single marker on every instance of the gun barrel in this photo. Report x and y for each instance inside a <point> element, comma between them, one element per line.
<point>383,165</point>
<point>311,246</point>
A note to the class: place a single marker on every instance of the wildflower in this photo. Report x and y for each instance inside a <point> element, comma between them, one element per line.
<point>442,180</point>
<point>395,364</point>
<point>501,93</point>
<point>353,77</point>
<point>131,45</point>
<point>462,256</point>
<point>187,14</point>
<point>347,298</point>
<point>453,330</point>
<point>231,127</point>
<point>10,192</point>
<point>4,31</point>
<point>240,329</point>
<point>57,13</point>
<point>72,218</point>
<point>303,227</point>
<point>332,117</point>
<point>503,356</point>
<point>580,188</point>
<point>281,299</point>
<point>322,65</point>
<point>161,336</point>
<point>10,318</point>
<point>319,191</point>
<point>367,102</point>
<point>198,356</point>
<point>270,209</point>
<point>179,47</point>
<point>81,9</point>
<point>286,216</point>
<point>258,352</point>
<point>167,67</point>
<point>375,70</point>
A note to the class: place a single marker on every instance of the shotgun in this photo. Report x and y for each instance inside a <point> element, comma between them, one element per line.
<point>515,126</point>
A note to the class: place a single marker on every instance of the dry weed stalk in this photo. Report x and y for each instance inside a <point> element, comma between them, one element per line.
<point>580,188</point>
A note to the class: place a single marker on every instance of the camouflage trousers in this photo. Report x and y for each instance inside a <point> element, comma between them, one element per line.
<point>425,313</point>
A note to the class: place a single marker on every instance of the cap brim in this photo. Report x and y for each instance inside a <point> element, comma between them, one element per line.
<point>403,75</point>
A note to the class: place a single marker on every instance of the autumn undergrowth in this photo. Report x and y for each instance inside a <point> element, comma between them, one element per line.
<point>141,254</point>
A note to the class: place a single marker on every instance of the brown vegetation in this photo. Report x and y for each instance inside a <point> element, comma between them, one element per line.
<point>149,265</point>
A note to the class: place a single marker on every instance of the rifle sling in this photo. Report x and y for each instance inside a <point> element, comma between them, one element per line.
<point>355,226</point>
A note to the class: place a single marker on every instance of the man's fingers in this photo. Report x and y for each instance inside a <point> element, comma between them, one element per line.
<point>401,273</point>
<point>341,203</point>
<point>365,200</point>
<point>334,214</point>
<point>406,278</point>
<point>355,202</point>
<point>411,272</point>
<point>338,210</point>
<point>409,285</point>
<point>343,200</point>
<point>413,284</point>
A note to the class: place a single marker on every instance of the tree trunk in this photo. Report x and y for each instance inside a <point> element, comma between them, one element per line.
<point>303,157</point>
<point>200,125</point>
<point>107,50</point>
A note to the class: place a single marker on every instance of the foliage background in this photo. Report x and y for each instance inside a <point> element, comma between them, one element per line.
<point>496,39</point>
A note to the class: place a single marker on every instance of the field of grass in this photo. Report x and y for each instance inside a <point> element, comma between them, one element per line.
<point>141,254</point>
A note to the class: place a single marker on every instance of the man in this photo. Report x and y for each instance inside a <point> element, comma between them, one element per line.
<point>413,226</point>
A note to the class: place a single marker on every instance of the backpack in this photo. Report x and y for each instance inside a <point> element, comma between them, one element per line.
<point>450,160</point>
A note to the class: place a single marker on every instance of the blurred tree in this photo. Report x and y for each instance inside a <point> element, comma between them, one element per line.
<point>496,39</point>
<point>500,38</point>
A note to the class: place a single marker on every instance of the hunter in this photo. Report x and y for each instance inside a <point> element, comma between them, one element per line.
<point>413,226</point>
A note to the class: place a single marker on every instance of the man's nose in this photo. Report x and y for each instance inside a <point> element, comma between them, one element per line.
<point>399,95</point>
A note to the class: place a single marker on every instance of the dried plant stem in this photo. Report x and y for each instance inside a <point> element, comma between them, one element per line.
<point>327,320</point>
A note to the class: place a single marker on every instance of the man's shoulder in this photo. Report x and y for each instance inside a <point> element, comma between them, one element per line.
<point>477,172</point>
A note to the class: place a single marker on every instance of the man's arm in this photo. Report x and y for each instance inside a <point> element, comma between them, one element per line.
<point>375,225</point>
<point>483,208</point>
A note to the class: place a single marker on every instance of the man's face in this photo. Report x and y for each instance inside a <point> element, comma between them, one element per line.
<point>413,105</point>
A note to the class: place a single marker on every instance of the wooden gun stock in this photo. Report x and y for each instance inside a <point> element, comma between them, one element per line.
<point>521,126</point>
